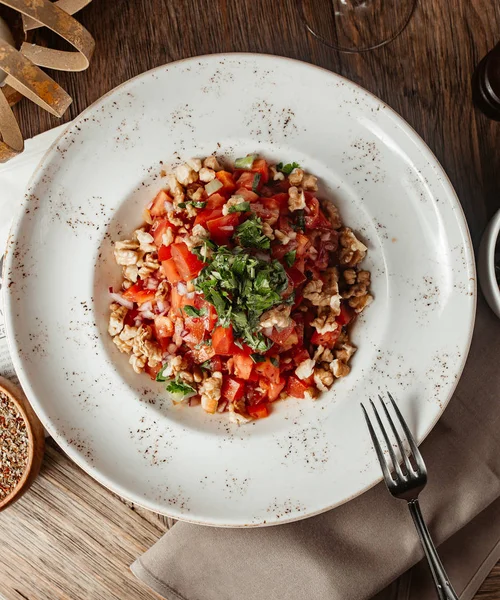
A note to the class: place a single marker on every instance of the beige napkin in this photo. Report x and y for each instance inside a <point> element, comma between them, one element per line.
<point>368,546</point>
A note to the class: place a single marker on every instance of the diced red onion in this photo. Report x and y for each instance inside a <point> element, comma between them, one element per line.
<point>147,306</point>
<point>161,305</point>
<point>138,321</point>
<point>263,256</point>
<point>190,295</point>
<point>172,348</point>
<point>228,228</point>
<point>151,283</point>
<point>147,314</point>
<point>169,207</point>
<point>213,186</point>
<point>121,300</point>
<point>181,288</point>
<point>268,331</point>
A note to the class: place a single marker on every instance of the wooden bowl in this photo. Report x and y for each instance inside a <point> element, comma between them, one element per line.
<point>36,441</point>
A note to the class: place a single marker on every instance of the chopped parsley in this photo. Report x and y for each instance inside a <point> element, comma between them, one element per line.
<point>241,207</point>
<point>178,388</point>
<point>191,311</point>
<point>256,181</point>
<point>250,234</point>
<point>193,203</point>
<point>300,221</point>
<point>258,358</point>
<point>242,287</point>
<point>274,361</point>
<point>290,257</point>
<point>202,251</point>
<point>287,169</point>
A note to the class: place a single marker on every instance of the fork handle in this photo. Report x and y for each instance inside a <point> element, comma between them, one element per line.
<point>443,586</point>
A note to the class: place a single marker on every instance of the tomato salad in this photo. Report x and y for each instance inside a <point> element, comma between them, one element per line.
<point>239,288</point>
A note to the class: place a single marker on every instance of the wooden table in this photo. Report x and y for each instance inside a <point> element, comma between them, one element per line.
<point>70,538</point>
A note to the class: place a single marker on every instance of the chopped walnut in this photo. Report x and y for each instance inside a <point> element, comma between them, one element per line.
<point>211,163</point>
<point>358,287</point>
<point>131,272</point>
<point>206,175</point>
<point>174,220</point>
<point>310,183</point>
<point>236,417</point>
<point>149,266</point>
<point>185,174</point>
<point>333,213</point>
<point>296,177</point>
<point>296,199</point>
<point>138,363</point>
<point>233,201</point>
<point>344,353</point>
<point>282,237</point>
<point>126,284</point>
<point>267,230</point>
<point>312,292</point>
<point>276,317</point>
<point>352,251</point>
<point>323,355</point>
<point>186,376</point>
<point>168,237</point>
<point>323,378</point>
<point>162,290</point>
<point>339,368</point>
<point>194,163</point>
<point>198,235</point>
<point>305,369</point>
<point>195,192</point>
<point>174,186</point>
<point>275,174</point>
<point>361,302</point>
<point>326,321</point>
<point>197,374</point>
<point>325,293</point>
<point>124,346</point>
<point>116,318</point>
<point>126,252</point>
<point>350,276</point>
<point>145,241</point>
<point>210,392</point>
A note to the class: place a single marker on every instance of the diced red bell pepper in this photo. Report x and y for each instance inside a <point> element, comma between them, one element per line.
<point>346,315</point>
<point>327,339</point>
<point>275,389</point>
<point>137,293</point>
<point>188,265</point>
<point>158,207</point>
<point>202,353</point>
<point>247,195</point>
<point>216,200</point>
<point>280,336</point>
<point>205,215</point>
<point>260,166</point>
<point>222,229</point>
<point>243,365</point>
<point>169,270</point>
<point>233,389</point>
<point>267,369</point>
<point>223,340</point>
<point>158,228</point>
<point>295,387</point>
<point>177,301</point>
<point>164,253</point>
<point>258,411</point>
<point>250,181</point>
<point>228,185</point>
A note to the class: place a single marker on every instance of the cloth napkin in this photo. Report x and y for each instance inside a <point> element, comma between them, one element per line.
<point>367,548</point>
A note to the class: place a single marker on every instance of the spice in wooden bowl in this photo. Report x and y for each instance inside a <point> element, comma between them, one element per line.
<point>22,443</point>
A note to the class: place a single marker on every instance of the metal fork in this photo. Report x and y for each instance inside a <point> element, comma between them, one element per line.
<point>407,483</point>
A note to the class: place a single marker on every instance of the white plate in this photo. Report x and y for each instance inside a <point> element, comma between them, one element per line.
<point>90,189</point>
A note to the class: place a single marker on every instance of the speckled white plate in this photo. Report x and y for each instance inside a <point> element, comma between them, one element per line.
<point>90,188</point>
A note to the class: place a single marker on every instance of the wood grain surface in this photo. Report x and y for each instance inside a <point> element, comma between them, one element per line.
<point>69,538</point>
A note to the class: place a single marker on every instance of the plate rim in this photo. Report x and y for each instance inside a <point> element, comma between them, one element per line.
<point>78,458</point>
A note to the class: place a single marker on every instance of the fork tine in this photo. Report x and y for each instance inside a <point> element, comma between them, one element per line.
<point>389,481</point>
<point>398,438</point>
<point>411,440</point>
<point>395,462</point>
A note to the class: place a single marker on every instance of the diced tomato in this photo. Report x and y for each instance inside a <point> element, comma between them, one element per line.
<point>280,336</point>
<point>295,387</point>
<point>250,181</point>
<point>260,166</point>
<point>216,363</point>
<point>130,317</point>
<point>215,201</point>
<point>300,355</point>
<point>259,411</point>
<point>202,353</point>
<point>164,253</point>
<point>295,276</point>
<point>177,301</point>
<point>282,203</point>
<point>267,369</point>
<point>222,229</point>
<point>158,207</point>
<point>188,265</point>
<point>254,393</point>
<point>196,330</point>
<point>223,340</point>
<point>246,194</point>
<point>153,371</point>
<point>266,210</point>
<point>158,228</point>
<point>275,389</point>
<point>205,215</point>
<point>136,293</point>
<point>327,339</point>
<point>303,243</point>
<point>243,365</point>
<point>314,217</point>
<point>227,181</point>
<point>346,315</point>
<point>290,341</point>
<point>279,250</point>
<point>169,270</point>
<point>233,389</point>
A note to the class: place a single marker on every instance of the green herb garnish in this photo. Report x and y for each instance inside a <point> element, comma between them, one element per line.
<point>274,361</point>
<point>194,203</point>
<point>290,257</point>
<point>256,181</point>
<point>258,358</point>
<point>242,287</point>
<point>287,169</point>
<point>191,311</point>
<point>178,388</point>
<point>202,251</point>
<point>250,234</point>
<point>300,221</point>
<point>159,375</point>
<point>245,162</point>
<point>241,207</point>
